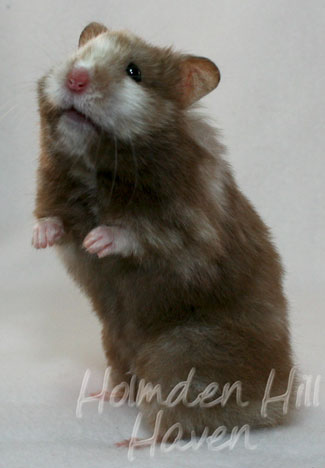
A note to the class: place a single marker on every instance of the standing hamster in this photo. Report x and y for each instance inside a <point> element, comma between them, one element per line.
<point>135,193</point>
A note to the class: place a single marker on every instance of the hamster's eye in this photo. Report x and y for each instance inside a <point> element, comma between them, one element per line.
<point>134,72</point>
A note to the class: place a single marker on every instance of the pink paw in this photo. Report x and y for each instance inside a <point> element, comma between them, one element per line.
<point>100,241</point>
<point>46,232</point>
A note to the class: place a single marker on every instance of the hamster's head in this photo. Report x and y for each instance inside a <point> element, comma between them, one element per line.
<point>118,85</point>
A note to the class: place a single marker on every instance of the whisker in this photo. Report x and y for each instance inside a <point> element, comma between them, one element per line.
<point>98,147</point>
<point>115,170</point>
<point>8,111</point>
<point>135,173</point>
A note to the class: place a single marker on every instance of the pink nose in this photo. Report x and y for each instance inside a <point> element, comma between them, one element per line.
<point>78,80</point>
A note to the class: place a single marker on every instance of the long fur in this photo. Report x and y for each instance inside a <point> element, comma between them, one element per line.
<point>202,287</point>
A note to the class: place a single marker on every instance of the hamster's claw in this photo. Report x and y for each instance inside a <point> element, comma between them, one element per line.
<point>46,232</point>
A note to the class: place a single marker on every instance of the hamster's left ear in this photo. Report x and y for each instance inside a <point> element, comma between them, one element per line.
<point>199,76</point>
<point>91,31</point>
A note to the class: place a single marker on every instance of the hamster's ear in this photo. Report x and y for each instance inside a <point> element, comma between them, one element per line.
<point>91,31</point>
<point>199,76</point>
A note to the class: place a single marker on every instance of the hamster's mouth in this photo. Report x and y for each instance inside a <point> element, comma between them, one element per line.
<point>80,118</point>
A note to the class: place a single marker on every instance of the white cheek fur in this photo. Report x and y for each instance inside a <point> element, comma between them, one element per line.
<point>55,90</point>
<point>127,109</point>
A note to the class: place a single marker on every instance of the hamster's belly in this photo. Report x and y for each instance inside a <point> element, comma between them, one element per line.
<point>87,270</point>
<point>100,279</point>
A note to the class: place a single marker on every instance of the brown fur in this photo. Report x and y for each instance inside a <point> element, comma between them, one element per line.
<point>90,31</point>
<point>206,290</point>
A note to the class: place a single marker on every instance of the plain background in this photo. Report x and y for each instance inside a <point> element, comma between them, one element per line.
<point>270,107</point>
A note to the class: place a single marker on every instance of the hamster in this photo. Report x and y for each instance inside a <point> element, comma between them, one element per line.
<point>134,192</point>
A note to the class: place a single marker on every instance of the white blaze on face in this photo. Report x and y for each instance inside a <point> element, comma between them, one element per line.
<point>121,109</point>
<point>98,51</point>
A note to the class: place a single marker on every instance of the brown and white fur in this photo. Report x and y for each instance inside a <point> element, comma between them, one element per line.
<point>149,221</point>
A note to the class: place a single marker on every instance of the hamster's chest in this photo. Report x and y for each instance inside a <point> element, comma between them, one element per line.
<point>83,195</point>
<point>95,197</point>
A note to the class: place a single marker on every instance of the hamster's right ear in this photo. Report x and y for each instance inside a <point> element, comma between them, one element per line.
<point>91,31</point>
<point>198,77</point>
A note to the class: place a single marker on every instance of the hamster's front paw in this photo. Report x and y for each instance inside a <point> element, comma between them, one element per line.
<point>46,232</point>
<point>100,241</point>
<point>106,240</point>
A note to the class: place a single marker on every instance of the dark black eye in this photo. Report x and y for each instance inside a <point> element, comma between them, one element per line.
<point>134,72</point>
